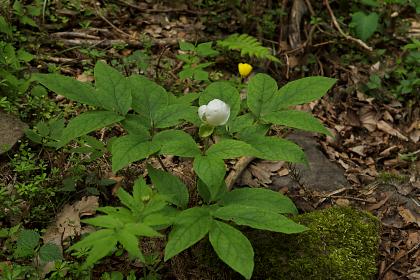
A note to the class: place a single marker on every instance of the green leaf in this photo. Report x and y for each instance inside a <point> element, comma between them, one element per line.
<point>100,248</point>
<point>211,171</point>
<point>296,119</point>
<point>364,25</point>
<point>201,75</point>
<point>258,198</point>
<point>5,27</point>
<point>190,227</point>
<point>233,248</point>
<point>274,148</point>
<point>148,97</point>
<point>241,122</point>
<point>26,243</point>
<point>128,200</point>
<point>261,91</point>
<point>130,242</point>
<point>205,130</point>
<point>136,124</point>
<point>203,191</point>
<point>130,148</point>
<point>142,229</point>
<point>186,46</point>
<point>107,221</point>
<point>302,91</point>
<point>88,241</point>
<point>223,91</point>
<point>230,148</point>
<point>141,191</point>
<point>206,50</point>
<point>247,45</point>
<point>177,143</point>
<point>113,89</point>
<point>50,252</point>
<point>258,218</point>
<point>69,88</point>
<point>172,114</point>
<point>88,122</point>
<point>169,186</point>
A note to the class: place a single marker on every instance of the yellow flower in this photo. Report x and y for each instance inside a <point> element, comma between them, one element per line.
<point>244,69</point>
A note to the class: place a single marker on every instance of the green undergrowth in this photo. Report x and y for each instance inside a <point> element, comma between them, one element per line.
<point>342,243</point>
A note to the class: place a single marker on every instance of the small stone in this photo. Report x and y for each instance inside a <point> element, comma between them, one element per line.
<point>11,130</point>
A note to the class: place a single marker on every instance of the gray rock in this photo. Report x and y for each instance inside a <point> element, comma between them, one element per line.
<point>321,175</point>
<point>11,130</point>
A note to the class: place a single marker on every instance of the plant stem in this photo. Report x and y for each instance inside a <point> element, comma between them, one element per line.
<point>161,163</point>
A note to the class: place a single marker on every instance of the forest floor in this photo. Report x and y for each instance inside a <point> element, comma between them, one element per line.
<point>371,163</point>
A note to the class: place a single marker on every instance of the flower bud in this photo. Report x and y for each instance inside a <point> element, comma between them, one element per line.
<point>244,69</point>
<point>215,113</point>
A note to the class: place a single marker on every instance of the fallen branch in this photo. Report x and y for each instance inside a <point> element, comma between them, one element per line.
<point>348,37</point>
<point>237,170</point>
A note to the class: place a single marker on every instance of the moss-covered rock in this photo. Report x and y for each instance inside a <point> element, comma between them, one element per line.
<point>342,243</point>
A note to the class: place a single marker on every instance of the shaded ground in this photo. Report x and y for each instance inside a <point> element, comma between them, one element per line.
<point>372,163</point>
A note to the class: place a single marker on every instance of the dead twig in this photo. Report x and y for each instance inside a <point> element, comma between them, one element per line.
<point>98,13</point>
<point>73,35</point>
<point>348,37</point>
<point>381,276</point>
<point>147,10</point>
<point>59,59</point>
<point>237,170</point>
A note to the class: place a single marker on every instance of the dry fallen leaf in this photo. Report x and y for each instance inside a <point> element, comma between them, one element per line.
<point>368,118</point>
<point>408,216</point>
<point>386,127</point>
<point>67,223</point>
<point>263,170</point>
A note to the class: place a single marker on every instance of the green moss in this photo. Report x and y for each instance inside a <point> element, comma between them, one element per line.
<point>342,243</point>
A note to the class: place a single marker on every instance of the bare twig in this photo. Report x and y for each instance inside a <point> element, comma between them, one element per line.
<point>237,170</point>
<point>73,35</point>
<point>158,62</point>
<point>146,10</point>
<point>110,23</point>
<point>348,37</point>
<point>381,276</point>
<point>59,59</point>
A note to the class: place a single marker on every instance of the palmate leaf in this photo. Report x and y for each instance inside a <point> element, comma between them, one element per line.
<point>274,148</point>
<point>261,92</point>
<point>296,119</point>
<point>87,122</point>
<point>190,227</point>
<point>69,88</point>
<point>232,247</point>
<point>100,248</point>
<point>263,199</point>
<point>211,170</point>
<point>230,148</point>
<point>258,218</point>
<point>130,148</point>
<point>169,186</point>
<point>130,242</point>
<point>112,88</point>
<point>177,143</point>
<point>148,97</point>
<point>302,91</point>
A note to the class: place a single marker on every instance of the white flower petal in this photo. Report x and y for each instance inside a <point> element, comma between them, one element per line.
<point>215,113</point>
<point>202,112</point>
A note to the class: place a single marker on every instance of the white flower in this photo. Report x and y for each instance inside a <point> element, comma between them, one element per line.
<point>215,113</point>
